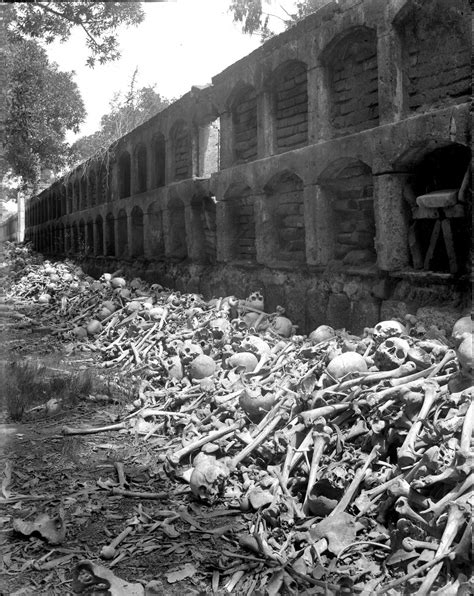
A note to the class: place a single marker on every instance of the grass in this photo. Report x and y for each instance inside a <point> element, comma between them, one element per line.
<point>27,384</point>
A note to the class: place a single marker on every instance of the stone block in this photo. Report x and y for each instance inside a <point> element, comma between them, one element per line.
<point>365,313</point>
<point>339,311</point>
<point>395,309</point>
<point>295,295</point>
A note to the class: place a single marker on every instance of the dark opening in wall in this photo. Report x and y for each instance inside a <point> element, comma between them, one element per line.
<point>240,223</point>
<point>436,42</point>
<point>159,158</point>
<point>141,169</point>
<point>99,232</point>
<point>122,231</point>
<point>68,239</point>
<point>178,248</point>
<point>349,187</point>
<point>352,76</point>
<point>204,227</point>
<point>290,93</point>
<point>244,125</point>
<point>208,215</point>
<point>90,237</point>
<point>62,239</point>
<point>285,208</point>
<point>439,196</point>
<point>137,243</point>
<point>74,238</point>
<point>124,174</point>
<point>182,151</point>
<point>110,235</point>
<point>81,239</point>
<point>155,230</point>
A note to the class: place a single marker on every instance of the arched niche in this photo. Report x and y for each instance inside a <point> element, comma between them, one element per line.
<point>137,240</point>
<point>239,218</point>
<point>90,237</point>
<point>243,106</point>
<point>203,210</point>
<point>141,168</point>
<point>284,211</point>
<point>81,236</point>
<point>110,235</point>
<point>438,198</point>
<point>435,37</point>
<point>177,247</point>
<point>351,67</point>
<point>99,233</point>
<point>124,175</point>
<point>155,236</point>
<point>122,233</point>
<point>181,151</point>
<point>159,160</point>
<point>347,185</point>
<point>289,84</point>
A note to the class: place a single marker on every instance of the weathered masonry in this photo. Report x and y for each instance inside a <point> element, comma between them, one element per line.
<point>328,169</point>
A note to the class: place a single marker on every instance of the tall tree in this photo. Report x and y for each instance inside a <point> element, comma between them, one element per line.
<point>127,111</point>
<point>25,123</point>
<point>42,104</point>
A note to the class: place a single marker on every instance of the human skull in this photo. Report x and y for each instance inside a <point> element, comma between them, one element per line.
<point>255,344</point>
<point>174,367</point>
<point>386,329</point>
<point>391,353</point>
<point>220,329</point>
<point>255,300</point>
<point>189,351</point>
<point>208,477</point>
<point>464,352</point>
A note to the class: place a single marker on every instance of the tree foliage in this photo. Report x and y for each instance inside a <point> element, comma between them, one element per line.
<point>254,15</point>
<point>50,21</point>
<point>42,104</point>
<point>127,111</point>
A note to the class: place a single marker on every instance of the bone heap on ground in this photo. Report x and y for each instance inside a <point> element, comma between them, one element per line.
<point>352,453</point>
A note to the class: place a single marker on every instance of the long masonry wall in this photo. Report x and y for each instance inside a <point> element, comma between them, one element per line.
<point>297,172</point>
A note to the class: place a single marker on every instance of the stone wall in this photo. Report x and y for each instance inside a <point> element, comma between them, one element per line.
<point>318,169</point>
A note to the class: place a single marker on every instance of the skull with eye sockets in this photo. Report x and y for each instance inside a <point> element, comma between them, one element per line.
<point>391,353</point>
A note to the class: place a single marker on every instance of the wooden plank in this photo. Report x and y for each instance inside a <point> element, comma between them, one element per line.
<point>432,246</point>
<point>448,240</point>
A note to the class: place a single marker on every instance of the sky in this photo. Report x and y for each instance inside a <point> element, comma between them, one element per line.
<point>179,44</point>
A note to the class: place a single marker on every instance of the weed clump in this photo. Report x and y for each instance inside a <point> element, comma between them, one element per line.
<point>28,385</point>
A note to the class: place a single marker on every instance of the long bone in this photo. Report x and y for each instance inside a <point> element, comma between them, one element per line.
<point>406,453</point>
<point>438,508</point>
<point>456,515</point>
<point>259,439</point>
<point>321,436</point>
<point>175,457</point>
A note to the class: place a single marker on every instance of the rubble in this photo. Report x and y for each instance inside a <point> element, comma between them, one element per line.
<point>350,457</point>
